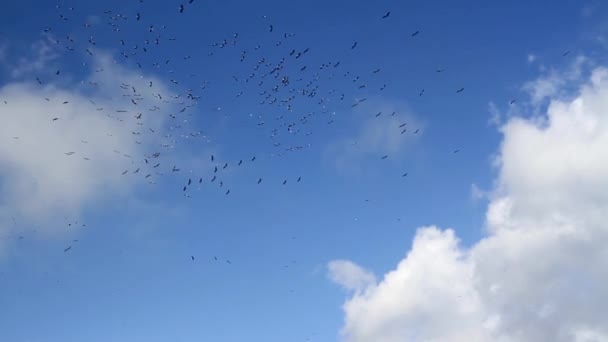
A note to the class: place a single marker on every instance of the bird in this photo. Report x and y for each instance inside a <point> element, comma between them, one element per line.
<point>259,180</point>
<point>299,179</point>
<point>384,157</point>
<point>285,182</point>
<point>566,53</point>
<point>354,46</point>
<point>192,257</point>
<point>512,102</point>
<point>181,8</point>
<point>460,90</point>
<point>415,33</point>
<point>386,15</point>
<point>67,249</point>
<point>403,175</point>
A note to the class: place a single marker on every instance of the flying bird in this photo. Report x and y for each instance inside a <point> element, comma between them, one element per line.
<point>460,90</point>
<point>67,249</point>
<point>354,46</point>
<point>386,15</point>
<point>181,8</point>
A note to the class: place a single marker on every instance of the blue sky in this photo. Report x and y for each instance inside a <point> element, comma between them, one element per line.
<point>130,276</point>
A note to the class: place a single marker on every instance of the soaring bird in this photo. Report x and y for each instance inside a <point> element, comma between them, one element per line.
<point>354,46</point>
<point>460,90</point>
<point>67,249</point>
<point>386,15</point>
<point>181,8</point>
<point>259,180</point>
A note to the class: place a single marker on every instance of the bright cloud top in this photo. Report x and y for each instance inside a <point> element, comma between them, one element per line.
<point>539,275</point>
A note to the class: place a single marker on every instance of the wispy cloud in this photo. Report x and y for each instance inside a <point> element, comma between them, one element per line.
<point>387,134</point>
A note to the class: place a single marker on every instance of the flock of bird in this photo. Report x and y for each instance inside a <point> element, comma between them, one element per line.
<point>279,75</point>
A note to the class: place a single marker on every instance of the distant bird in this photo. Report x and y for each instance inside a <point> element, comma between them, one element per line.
<point>403,175</point>
<point>421,92</point>
<point>227,191</point>
<point>189,181</point>
<point>354,46</point>
<point>415,33</point>
<point>456,151</point>
<point>512,102</point>
<point>386,15</point>
<point>240,162</point>
<point>299,179</point>
<point>384,157</point>
<point>181,8</point>
<point>67,249</point>
<point>212,158</point>
<point>285,182</point>
<point>566,53</point>
<point>253,159</point>
<point>259,180</point>
<point>270,28</point>
<point>225,166</point>
<point>460,90</point>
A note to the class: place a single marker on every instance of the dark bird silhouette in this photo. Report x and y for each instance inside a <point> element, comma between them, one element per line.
<point>259,180</point>
<point>403,175</point>
<point>384,157</point>
<point>415,33</point>
<point>299,179</point>
<point>67,249</point>
<point>285,182</point>
<point>354,46</point>
<point>386,15</point>
<point>192,257</point>
<point>181,8</point>
<point>566,53</point>
<point>512,102</point>
<point>460,90</point>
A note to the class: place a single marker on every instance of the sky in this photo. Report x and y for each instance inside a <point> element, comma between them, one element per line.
<point>351,171</point>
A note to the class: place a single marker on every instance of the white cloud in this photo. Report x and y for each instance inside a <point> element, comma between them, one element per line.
<point>376,137</point>
<point>42,53</point>
<point>540,273</point>
<point>555,83</point>
<point>40,183</point>
<point>350,275</point>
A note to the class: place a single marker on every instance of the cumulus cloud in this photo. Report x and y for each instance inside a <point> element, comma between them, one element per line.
<point>540,273</point>
<point>40,183</point>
